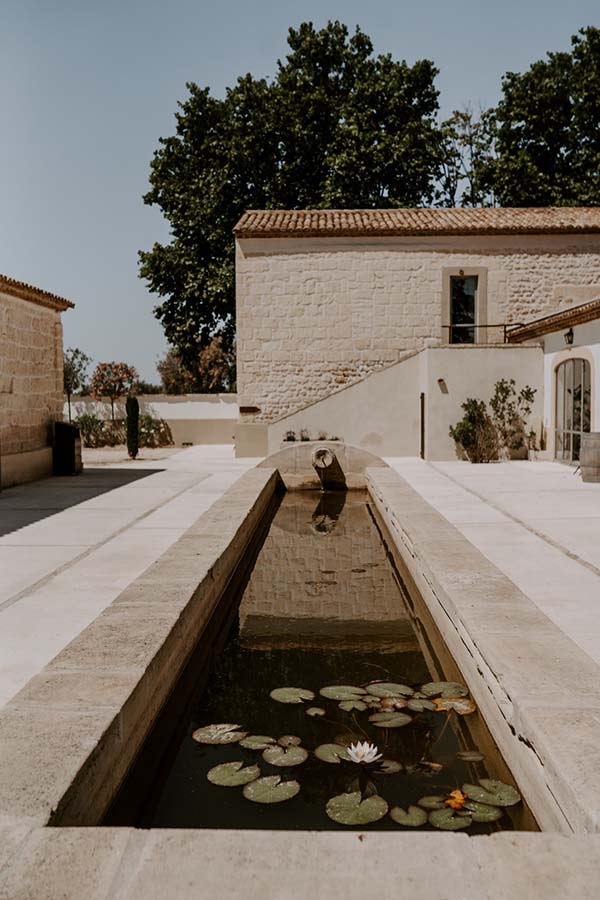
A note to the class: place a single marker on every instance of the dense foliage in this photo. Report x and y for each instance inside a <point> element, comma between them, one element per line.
<point>484,437</point>
<point>336,127</point>
<point>212,371</point>
<point>341,127</point>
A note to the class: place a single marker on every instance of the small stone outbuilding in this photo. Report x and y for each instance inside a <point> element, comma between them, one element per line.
<point>31,379</point>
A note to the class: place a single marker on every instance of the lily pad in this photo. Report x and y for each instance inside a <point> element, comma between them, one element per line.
<point>222,733</point>
<point>270,789</point>
<point>413,817</point>
<point>315,711</point>
<point>420,704</point>
<point>444,689</point>
<point>464,706</point>
<point>390,719</point>
<point>285,756</point>
<point>257,741</point>
<point>435,801</point>
<point>482,812</point>
<point>448,820</point>
<point>233,774</point>
<point>389,689</point>
<point>349,705</point>
<point>291,695</point>
<point>351,809</point>
<point>470,756</point>
<point>494,793</point>
<point>332,753</point>
<point>389,767</point>
<point>289,740</point>
<point>342,692</point>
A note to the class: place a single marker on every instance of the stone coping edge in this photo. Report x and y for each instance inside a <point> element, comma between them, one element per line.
<point>539,693</point>
<point>68,738</point>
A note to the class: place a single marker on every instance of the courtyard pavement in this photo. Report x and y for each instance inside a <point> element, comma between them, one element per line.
<point>69,546</point>
<point>536,521</point>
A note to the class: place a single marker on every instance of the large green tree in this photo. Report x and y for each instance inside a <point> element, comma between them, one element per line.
<point>336,127</point>
<point>547,130</point>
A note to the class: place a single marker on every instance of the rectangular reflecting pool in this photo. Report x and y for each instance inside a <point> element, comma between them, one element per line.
<point>321,646</point>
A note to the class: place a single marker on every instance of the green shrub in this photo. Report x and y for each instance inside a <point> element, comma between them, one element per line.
<point>132,407</point>
<point>154,432</point>
<point>476,432</point>
<point>91,429</point>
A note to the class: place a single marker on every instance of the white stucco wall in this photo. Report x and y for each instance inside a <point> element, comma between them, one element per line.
<point>317,314</point>
<point>382,413</point>
<point>586,345</point>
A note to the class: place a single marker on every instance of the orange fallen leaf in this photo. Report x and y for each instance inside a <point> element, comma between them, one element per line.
<point>456,799</point>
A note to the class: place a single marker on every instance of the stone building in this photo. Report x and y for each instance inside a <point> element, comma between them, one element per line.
<point>377,324</point>
<point>31,378</point>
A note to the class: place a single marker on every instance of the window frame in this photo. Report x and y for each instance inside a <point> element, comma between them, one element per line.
<point>481,318</point>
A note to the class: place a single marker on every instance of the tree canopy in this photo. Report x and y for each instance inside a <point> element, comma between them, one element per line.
<point>336,127</point>
<point>547,130</point>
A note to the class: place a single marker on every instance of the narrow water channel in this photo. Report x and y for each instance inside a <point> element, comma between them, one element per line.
<point>325,605</point>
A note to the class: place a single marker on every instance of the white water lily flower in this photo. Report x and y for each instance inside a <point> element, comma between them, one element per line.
<point>363,752</point>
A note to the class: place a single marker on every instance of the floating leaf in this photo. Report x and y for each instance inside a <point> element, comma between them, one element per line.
<point>349,705</point>
<point>332,753</point>
<point>315,711</point>
<point>435,801</point>
<point>351,809</point>
<point>447,820</point>
<point>482,812</point>
<point>285,756</point>
<point>413,818</point>
<point>420,704</point>
<point>461,705</point>
<point>231,774</point>
<point>455,799</point>
<point>470,756</point>
<point>270,790</point>
<point>222,733</point>
<point>389,689</point>
<point>289,740</point>
<point>493,793</point>
<point>390,719</point>
<point>388,703</point>
<point>444,688</point>
<point>389,767</point>
<point>257,741</point>
<point>291,695</point>
<point>342,692</point>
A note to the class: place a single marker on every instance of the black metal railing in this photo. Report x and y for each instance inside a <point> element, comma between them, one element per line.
<point>457,331</point>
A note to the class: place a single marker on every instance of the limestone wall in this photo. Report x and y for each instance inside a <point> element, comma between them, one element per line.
<point>31,373</point>
<point>315,315</point>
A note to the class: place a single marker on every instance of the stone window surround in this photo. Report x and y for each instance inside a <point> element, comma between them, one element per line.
<point>481,336</point>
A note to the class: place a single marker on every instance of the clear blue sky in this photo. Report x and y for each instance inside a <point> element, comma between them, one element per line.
<point>88,86</point>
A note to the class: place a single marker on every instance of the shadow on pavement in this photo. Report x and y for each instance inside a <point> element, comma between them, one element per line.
<point>28,503</point>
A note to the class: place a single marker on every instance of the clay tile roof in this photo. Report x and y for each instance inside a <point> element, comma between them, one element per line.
<point>33,294</point>
<point>566,318</point>
<point>381,222</point>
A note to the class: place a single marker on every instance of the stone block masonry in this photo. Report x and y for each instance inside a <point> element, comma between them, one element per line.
<point>31,374</point>
<point>317,314</point>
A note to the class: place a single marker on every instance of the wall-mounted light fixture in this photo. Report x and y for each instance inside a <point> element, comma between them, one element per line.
<point>569,335</point>
<point>442,385</point>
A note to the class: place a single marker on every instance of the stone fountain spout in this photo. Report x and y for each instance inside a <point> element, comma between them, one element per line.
<point>327,467</point>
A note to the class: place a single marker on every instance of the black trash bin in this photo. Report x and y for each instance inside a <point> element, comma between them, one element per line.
<point>66,455</point>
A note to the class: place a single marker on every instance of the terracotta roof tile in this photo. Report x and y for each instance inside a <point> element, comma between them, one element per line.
<point>566,318</point>
<point>33,294</point>
<point>381,222</point>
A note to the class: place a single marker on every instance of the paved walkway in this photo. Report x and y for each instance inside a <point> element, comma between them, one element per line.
<point>69,546</point>
<point>536,521</point>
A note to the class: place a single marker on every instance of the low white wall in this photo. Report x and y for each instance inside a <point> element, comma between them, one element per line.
<point>382,412</point>
<point>192,418</point>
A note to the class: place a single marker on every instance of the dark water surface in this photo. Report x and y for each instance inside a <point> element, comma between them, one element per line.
<point>325,603</point>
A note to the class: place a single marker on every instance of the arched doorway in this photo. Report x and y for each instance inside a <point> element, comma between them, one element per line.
<point>573,407</point>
